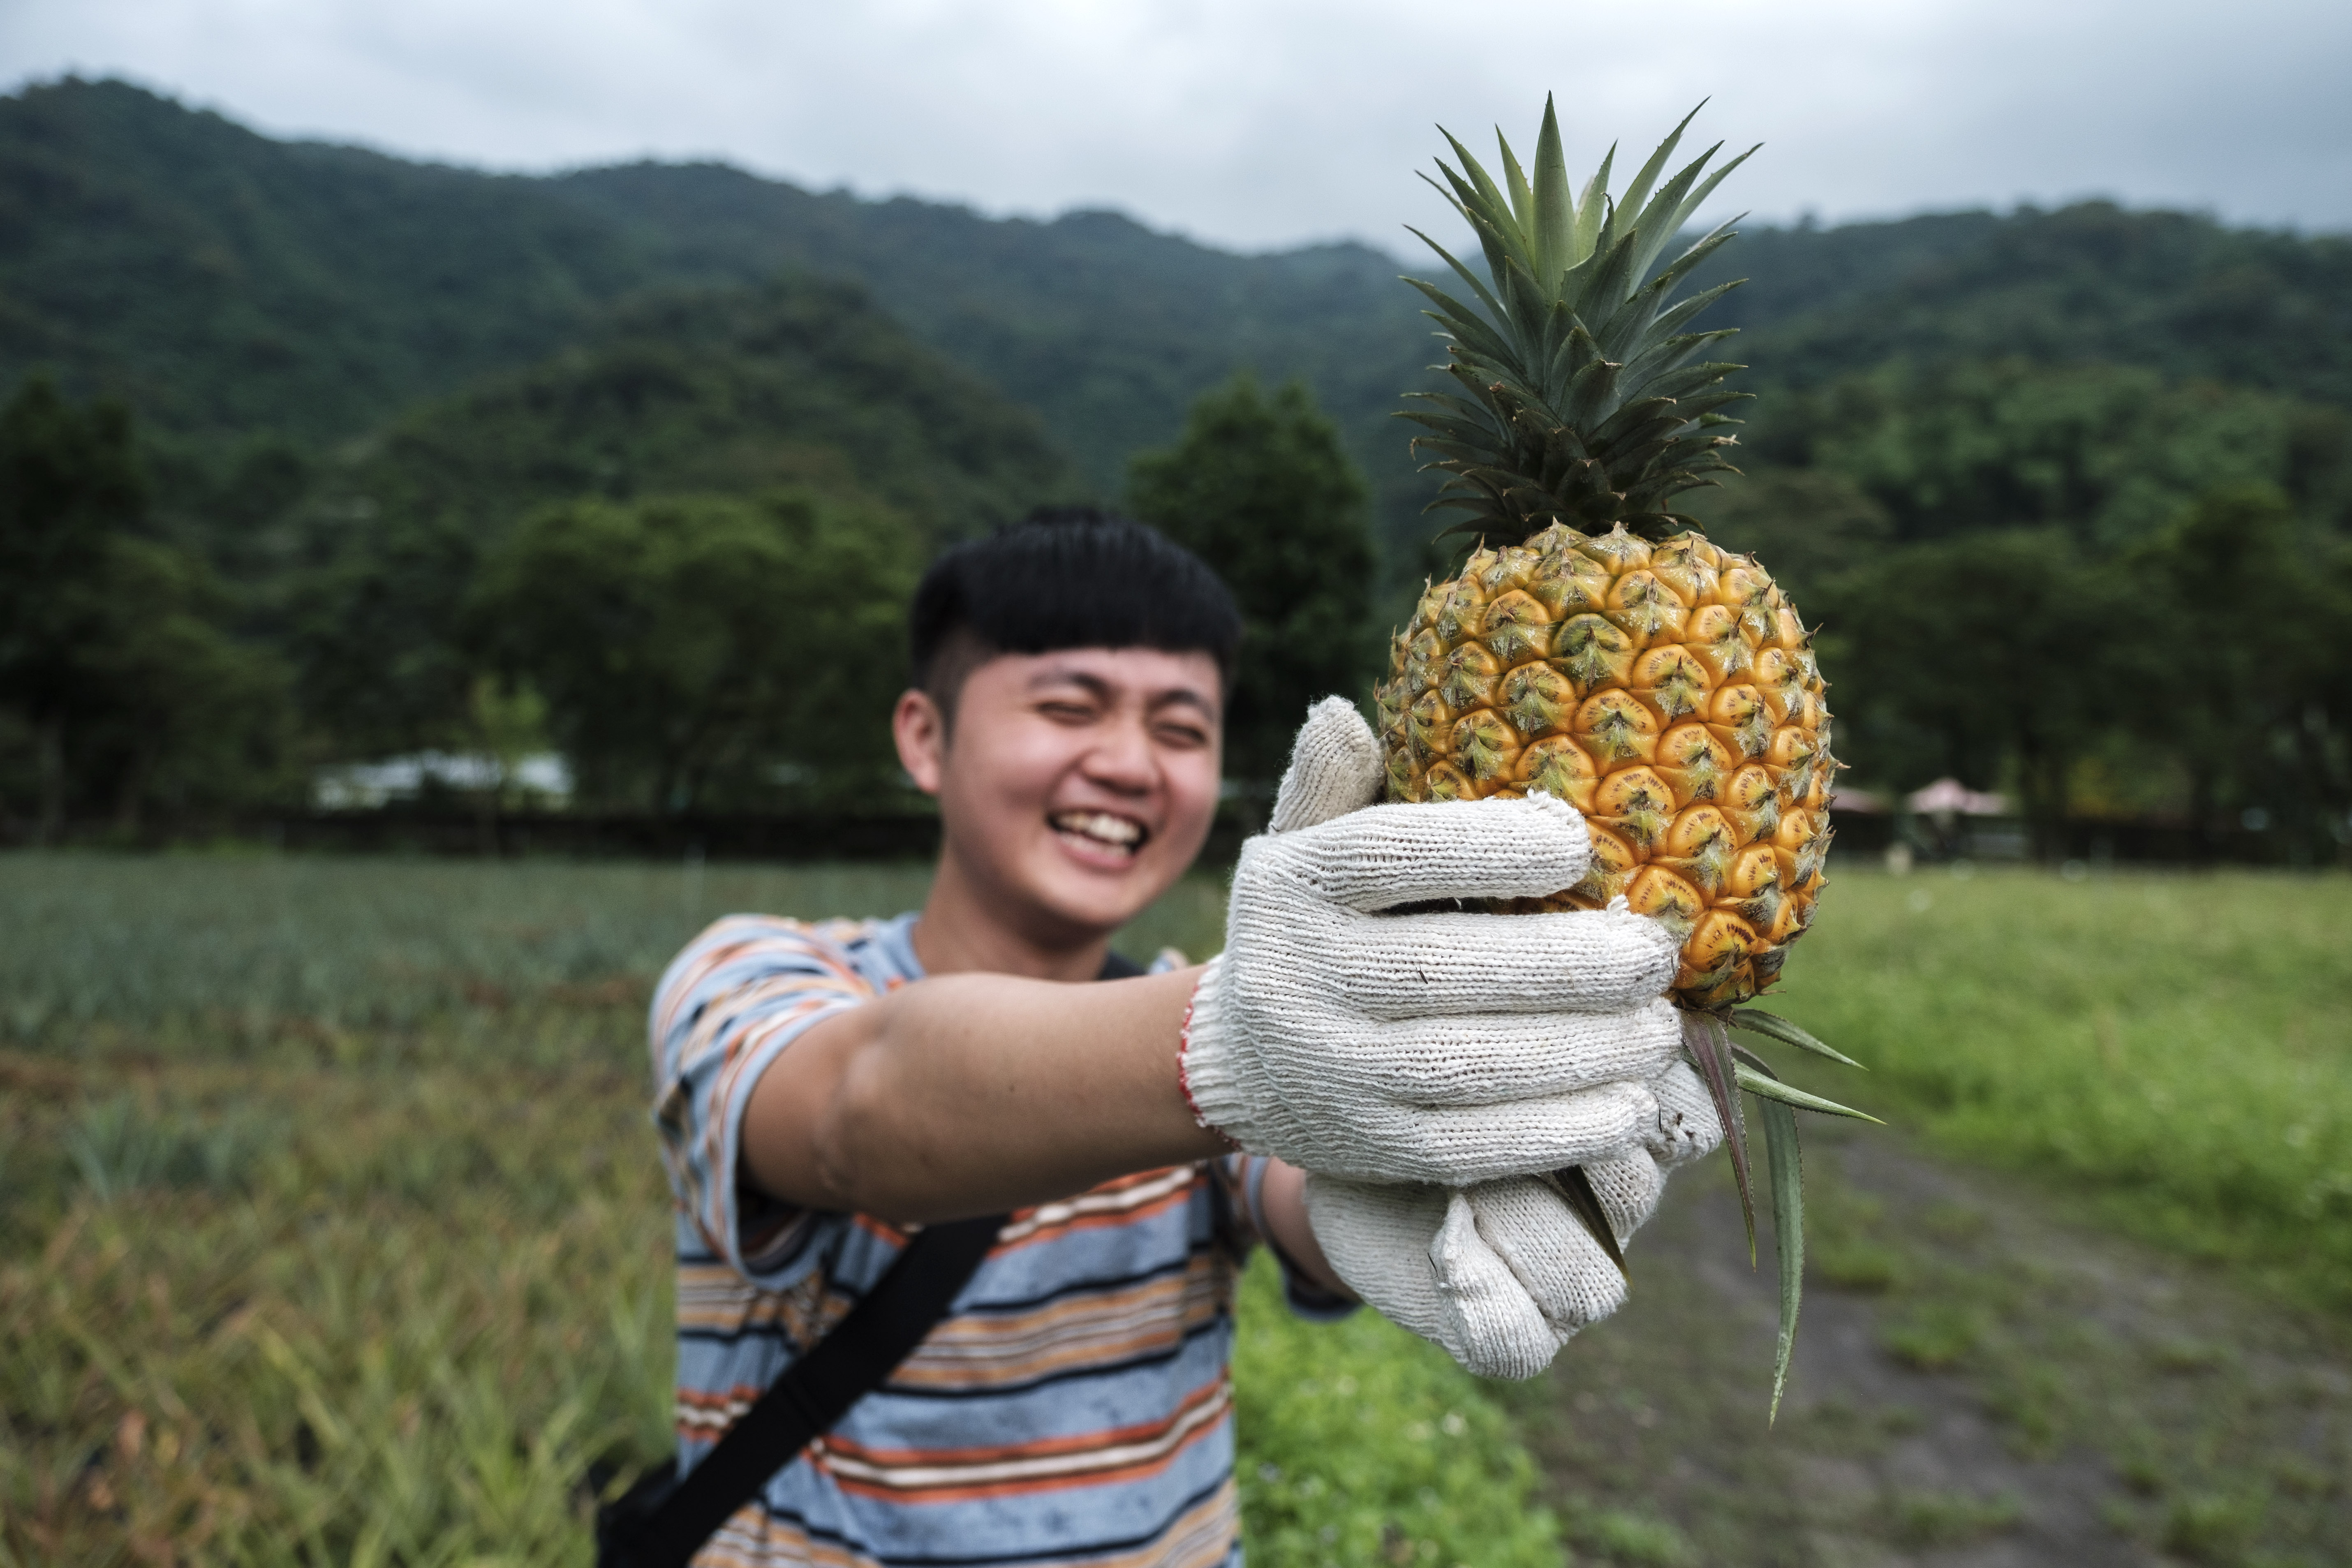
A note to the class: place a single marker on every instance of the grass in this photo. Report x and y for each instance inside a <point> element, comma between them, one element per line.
<point>333,1229</point>
<point>2172,1049</point>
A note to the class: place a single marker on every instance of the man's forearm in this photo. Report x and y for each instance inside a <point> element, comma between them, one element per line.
<point>970,1093</point>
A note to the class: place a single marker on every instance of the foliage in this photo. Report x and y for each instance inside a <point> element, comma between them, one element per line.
<point>689,648</point>
<point>232,286</point>
<point>227,285</point>
<point>1961,654</point>
<point>115,655</point>
<point>2111,453</point>
<point>1260,487</point>
<point>1361,1444</point>
<point>336,1232</point>
<point>2249,690</point>
<point>2092,283</point>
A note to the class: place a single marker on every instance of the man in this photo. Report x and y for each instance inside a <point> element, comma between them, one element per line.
<point>823,1088</point>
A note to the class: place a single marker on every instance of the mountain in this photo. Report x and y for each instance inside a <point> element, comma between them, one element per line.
<point>2086,284</point>
<point>224,283</point>
<point>231,286</point>
<point>1105,328</point>
<point>797,384</point>
<point>796,381</point>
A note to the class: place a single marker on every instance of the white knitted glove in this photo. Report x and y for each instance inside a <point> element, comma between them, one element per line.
<point>1446,1046</point>
<point>1502,1274</point>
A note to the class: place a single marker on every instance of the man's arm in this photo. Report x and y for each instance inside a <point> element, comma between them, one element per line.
<point>969,1094</point>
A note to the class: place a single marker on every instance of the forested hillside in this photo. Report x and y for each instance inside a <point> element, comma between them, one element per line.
<point>349,379</point>
<point>225,285</point>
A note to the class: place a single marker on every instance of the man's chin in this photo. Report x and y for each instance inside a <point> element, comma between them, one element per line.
<point>1100,897</point>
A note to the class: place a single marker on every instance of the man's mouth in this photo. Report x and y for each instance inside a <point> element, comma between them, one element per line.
<point>1101,830</point>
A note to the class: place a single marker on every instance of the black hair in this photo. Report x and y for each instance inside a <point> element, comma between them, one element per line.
<point>1065,576</point>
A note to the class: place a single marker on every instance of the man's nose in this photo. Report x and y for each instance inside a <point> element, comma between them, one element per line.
<point>1121,758</point>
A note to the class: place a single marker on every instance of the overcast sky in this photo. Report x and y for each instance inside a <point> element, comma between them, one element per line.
<point>1272,122</point>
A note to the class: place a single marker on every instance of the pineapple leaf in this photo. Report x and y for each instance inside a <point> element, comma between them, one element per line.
<point>1464,200</point>
<point>1462,324</point>
<point>1555,213</point>
<point>1692,203</point>
<point>1705,1044</point>
<point>1788,1233</point>
<point>1575,1189</point>
<point>1486,297</point>
<point>1766,1087</point>
<point>1637,193</point>
<point>1772,1026</point>
<point>1662,219</point>
<point>1591,207</point>
<point>1523,201</point>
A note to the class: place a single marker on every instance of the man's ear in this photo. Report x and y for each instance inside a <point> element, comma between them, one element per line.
<point>920,730</point>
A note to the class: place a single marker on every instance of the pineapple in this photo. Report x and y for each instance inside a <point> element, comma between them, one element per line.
<point>1595,646</point>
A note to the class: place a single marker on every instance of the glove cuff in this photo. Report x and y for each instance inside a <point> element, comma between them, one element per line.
<point>1206,1069</point>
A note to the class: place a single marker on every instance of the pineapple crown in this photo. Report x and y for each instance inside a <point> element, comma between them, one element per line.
<point>1584,406</point>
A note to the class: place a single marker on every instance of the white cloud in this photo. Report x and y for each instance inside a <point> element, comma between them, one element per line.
<point>1279,120</point>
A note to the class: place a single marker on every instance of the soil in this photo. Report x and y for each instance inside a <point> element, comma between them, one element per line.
<point>1982,1379</point>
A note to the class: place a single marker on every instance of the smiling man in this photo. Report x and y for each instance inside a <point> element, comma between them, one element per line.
<point>823,1091</point>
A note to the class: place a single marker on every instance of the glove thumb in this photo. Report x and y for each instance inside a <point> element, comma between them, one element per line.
<point>1335,768</point>
<point>1490,1324</point>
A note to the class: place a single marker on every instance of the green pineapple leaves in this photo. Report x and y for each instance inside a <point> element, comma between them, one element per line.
<point>1726,1068</point>
<point>1585,404</point>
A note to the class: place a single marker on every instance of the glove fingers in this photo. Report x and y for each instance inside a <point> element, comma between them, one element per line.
<point>1493,1326</point>
<point>1455,1144</point>
<point>1388,854</point>
<point>1499,1060</point>
<point>1629,1187</point>
<point>1335,768</point>
<point>1376,1236</point>
<point>1413,966</point>
<point>1547,1248</point>
<point>1688,1128</point>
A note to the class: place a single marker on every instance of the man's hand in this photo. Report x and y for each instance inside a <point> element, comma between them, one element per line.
<point>1438,1046</point>
<point>1502,1274</point>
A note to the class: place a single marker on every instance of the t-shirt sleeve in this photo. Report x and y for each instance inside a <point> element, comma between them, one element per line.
<point>731,1004</point>
<point>1244,1178</point>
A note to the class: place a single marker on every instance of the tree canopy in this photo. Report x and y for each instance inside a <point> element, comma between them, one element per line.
<point>1260,487</point>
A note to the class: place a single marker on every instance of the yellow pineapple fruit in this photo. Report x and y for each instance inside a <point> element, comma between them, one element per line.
<point>1669,692</point>
<point>1595,646</point>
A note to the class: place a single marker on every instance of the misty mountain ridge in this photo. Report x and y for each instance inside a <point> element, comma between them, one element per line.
<point>233,287</point>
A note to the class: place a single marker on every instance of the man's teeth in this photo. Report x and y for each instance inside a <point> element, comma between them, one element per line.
<point>1100,826</point>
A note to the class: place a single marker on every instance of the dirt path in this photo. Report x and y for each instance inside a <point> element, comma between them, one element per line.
<point>1979,1383</point>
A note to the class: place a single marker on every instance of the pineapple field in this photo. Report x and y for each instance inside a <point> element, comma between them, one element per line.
<point>332,1229</point>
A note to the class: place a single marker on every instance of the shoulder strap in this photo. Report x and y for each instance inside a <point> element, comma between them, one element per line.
<point>816,1391</point>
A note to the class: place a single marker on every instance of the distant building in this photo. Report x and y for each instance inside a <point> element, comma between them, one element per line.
<point>540,780</point>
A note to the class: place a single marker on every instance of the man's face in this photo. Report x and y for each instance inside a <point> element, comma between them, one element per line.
<point>1075,786</point>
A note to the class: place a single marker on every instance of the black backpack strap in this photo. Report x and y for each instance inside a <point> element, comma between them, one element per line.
<point>815,1392</point>
<point>662,1522</point>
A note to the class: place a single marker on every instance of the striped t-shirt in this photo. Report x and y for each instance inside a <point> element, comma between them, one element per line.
<point>1072,1408</point>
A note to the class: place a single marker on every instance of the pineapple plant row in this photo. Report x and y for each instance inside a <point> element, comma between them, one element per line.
<point>1595,646</point>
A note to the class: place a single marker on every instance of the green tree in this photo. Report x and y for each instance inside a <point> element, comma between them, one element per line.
<point>69,482</point>
<point>706,652</point>
<point>1995,657</point>
<point>2246,636</point>
<point>1261,489</point>
<point>115,653</point>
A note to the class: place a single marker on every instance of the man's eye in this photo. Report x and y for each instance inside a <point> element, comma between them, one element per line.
<point>1066,712</point>
<point>1183,737</point>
